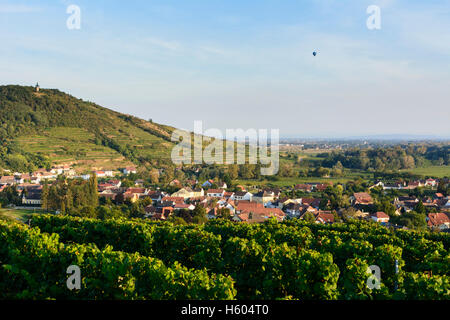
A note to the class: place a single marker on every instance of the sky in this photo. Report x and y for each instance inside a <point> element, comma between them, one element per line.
<point>242,64</point>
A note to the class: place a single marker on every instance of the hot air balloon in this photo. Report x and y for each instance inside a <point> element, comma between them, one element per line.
<point>314,53</point>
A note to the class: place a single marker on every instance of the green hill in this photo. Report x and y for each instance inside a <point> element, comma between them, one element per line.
<point>38,129</point>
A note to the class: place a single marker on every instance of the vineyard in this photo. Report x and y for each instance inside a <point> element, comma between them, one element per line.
<point>131,259</point>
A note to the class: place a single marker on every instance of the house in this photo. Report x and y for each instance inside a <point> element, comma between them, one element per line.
<point>7,180</point>
<point>212,213</point>
<point>431,182</point>
<point>438,195</point>
<point>440,221</point>
<point>313,202</point>
<point>407,203</point>
<point>265,196</point>
<point>115,182</point>
<point>198,200</point>
<point>57,170</point>
<point>228,204</point>
<point>129,170</point>
<point>281,202</point>
<point>297,209</point>
<point>215,193</point>
<point>188,192</point>
<point>321,187</point>
<point>259,215</point>
<point>32,196</point>
<point>208,183</point>
<point>414,184</point>
<point>183,193</point>
<point>175,200</point>
<point>108,194</point>
<point>35,180</point>
<point>105,186</point>
<point>275,204</point>
<point>228,194</point>
<point>132,197</point>
<point>103,174</point>
<point>242,195</point>
<point>25,177</point>
<point>158,213</point>
<point>222,185</point>
<point>180,206</point>
<point>156,196</point>
<point>324,217</point>
<point>446,203</point>
<point>378,184</point>
<point>361,198</point>
<point>393,186</point>
<point>198,192</point>
<point>303,187</point>
<point>139,191</point>
<point>380,217</point>
<point>247,205</point>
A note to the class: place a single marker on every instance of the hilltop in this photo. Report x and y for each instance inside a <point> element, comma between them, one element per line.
<point>51,127</point>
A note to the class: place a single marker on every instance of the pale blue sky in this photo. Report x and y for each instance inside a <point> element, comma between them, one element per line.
<point>246,63</point>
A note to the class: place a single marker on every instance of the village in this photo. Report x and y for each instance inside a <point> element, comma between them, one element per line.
<point>237,203</point>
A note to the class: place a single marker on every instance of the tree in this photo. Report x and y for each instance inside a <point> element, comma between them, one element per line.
<point>412,220</point>
<point>233,171</point>
<point>199,211</point>
<point>93,190</point>
<point>44,196</point>
<point>177,220</point>
<point>199,219</point>
<point>420,208</point>
<point>349,213</point>
<point>443,187</point>
<point>137,210</point>
<point>146,201</point>
<point>386,207</point>
<point>309,217</point>
<point>224,213</point>
<point>154,176</point>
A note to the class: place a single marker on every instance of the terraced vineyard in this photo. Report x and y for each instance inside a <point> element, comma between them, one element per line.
<point>72,145</point>
<point>221,260</point>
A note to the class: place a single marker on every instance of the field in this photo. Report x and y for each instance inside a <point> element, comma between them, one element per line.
<point>433,171</point>
<point>16,214</point>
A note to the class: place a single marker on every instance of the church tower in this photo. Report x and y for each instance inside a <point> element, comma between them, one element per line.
<point>36,88</point>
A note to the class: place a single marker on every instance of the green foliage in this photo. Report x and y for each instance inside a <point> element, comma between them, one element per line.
<point>274,260</point>
<point>34,267</point>
<point>73,196</point>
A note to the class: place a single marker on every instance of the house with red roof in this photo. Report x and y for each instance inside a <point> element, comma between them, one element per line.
<point>361,198</point>
<point>324,217</point>
<point>380,217</point>
<point>440,221</point>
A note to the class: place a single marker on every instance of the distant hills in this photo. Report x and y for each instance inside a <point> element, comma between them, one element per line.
<point>52,127</point>
<point>379,137</point>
